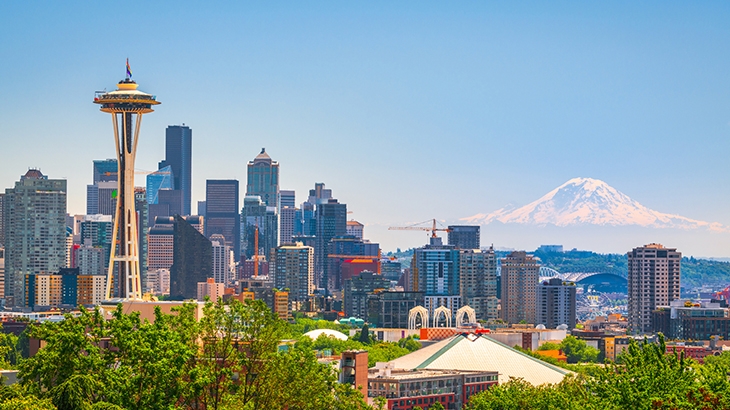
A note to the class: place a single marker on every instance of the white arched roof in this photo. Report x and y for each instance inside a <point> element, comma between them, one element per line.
<point>314,334</point>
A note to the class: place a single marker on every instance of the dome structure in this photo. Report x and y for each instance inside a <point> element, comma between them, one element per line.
<point>314,334</point>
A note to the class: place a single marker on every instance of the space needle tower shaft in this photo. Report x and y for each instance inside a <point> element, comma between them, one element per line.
<point>126,104</point>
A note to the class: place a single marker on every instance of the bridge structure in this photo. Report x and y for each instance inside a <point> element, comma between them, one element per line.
<point>549,273</point>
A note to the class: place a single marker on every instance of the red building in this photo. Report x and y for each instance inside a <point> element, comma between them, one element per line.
<point>407,389</point>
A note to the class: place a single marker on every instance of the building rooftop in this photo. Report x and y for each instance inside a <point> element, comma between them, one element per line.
<point>481,353</point>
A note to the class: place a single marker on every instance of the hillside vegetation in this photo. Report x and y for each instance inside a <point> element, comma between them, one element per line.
<point>695,272</point>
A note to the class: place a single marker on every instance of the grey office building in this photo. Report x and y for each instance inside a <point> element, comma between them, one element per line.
<point>221,203</point>
<point>464,236</point>
<point>556,304</point>
<point>179,156</point>
<point>390,310</point>
<point>331,220</point>
<point>356,292</point>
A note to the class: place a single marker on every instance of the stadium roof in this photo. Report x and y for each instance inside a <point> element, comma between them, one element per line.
<point>481,353</point>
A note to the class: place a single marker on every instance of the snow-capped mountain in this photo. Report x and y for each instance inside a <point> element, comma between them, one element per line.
<point>587,201</point>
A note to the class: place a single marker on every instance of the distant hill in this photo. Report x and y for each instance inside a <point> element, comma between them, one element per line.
<point>695,272</point>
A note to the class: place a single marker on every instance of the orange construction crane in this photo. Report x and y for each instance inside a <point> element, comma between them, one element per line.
<point>256,253</point>
<point>433,229</point>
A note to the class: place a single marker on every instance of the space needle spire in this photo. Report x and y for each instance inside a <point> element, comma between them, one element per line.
<point>126,104</point>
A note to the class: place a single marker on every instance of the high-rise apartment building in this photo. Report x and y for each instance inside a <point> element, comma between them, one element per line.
<point>256,216</point>
<point>2,219</point>
<point>179,157</point>
<point>556,304</point>
<point>355,228</point>
<point>287,218</point>
<point>654,277</point>
<point>192,260</point>
<point>263,179</point>
<point>221,210</point>
<point>294,270</point>
<point>464,236</point>
<point>520,277</point>
<point>435,273</point>
<point>221,263</point>
<point>90,260</point>
<point>35,232</point>
<point>2,272</point>
<point>287,215</point>
<point>160,246</point>
<point>478,281</point>
<point>331,220</point>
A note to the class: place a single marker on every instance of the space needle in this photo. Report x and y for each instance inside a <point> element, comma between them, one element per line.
<point>126,104</point>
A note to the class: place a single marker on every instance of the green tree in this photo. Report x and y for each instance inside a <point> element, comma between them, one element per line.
<point>549,346</point>
<point>578,351</point>
<point>365,335</point>
<point>409,343</point>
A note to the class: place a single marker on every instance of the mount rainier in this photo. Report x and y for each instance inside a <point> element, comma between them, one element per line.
<point>587,201</point>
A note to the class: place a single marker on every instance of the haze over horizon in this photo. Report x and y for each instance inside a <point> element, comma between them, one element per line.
<point>406,111</point>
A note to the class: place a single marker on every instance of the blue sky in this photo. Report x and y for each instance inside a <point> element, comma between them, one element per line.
<point>407,111</point>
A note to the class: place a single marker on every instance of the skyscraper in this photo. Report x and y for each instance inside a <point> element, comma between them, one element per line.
<point>556,304</point>
<point>464,236</point>
<point>2,219</point>
<point>331,219</point>
<point>287,216</point>
<point>221,203</point>
<point>435,270</point>
<point>96,232</point>
<point>161,244</point>
<point>293,270</point>
<point>221,264</point>
<point>257,216</point>
<point>192,259</point>
<point>478,281</point>
<point>179,157</point>
<point>101,198</point>
<point>35,231</point>
<point>160,179</point>
<point>520,276</point>
<point>263,179</point>
<point>105,170</point>
<point>287,198</point>
<point>654,278</point>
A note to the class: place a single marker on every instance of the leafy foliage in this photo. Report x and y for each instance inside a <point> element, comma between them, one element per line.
<point>230,359</point>
<point>647,378</point>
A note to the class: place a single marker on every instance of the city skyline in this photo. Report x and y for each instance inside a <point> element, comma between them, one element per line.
<point>417,97</point>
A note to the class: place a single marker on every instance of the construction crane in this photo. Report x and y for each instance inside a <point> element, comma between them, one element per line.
<point>433,229</point>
